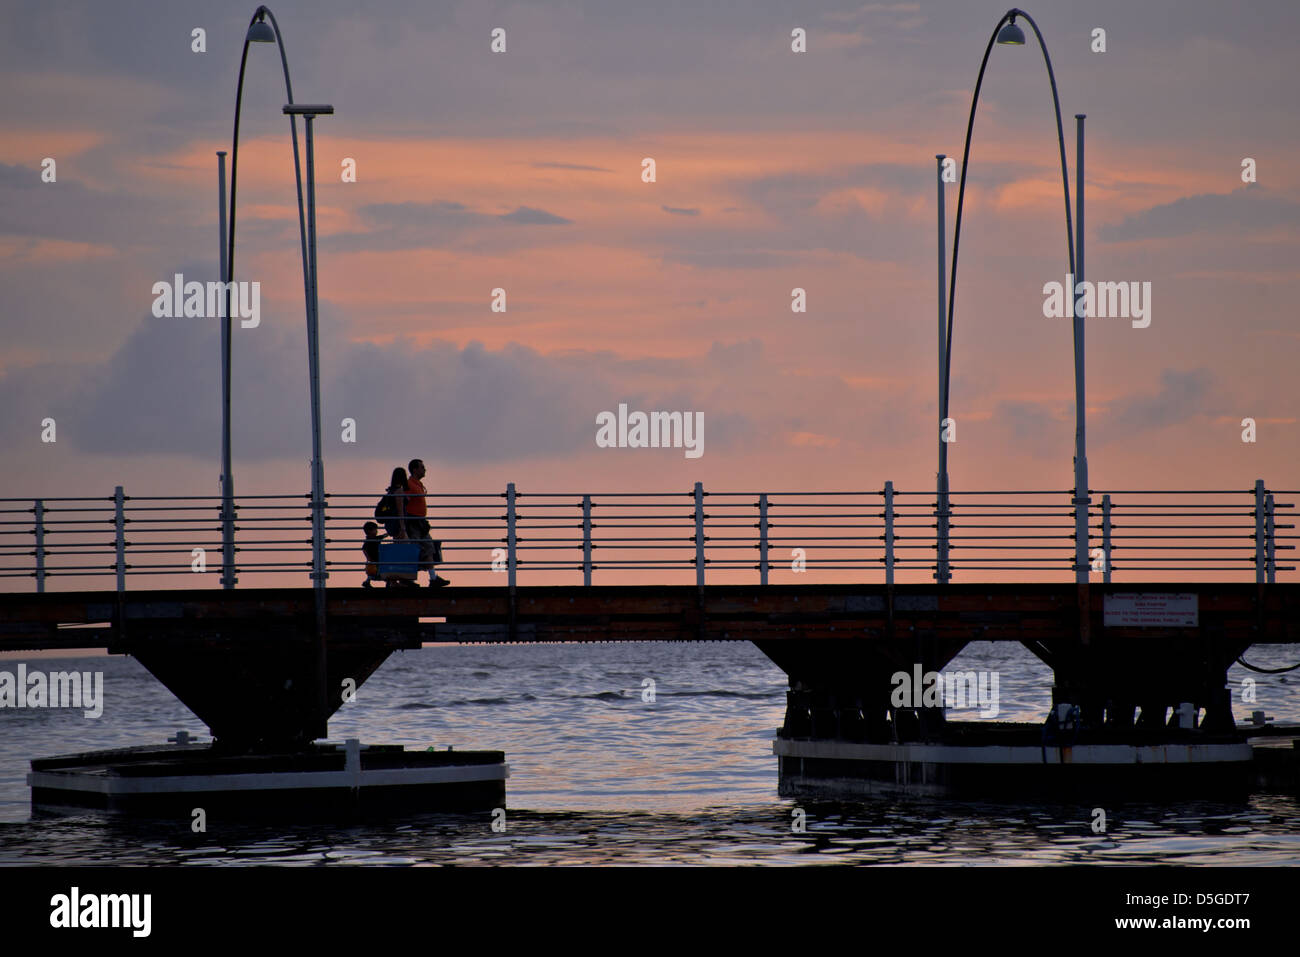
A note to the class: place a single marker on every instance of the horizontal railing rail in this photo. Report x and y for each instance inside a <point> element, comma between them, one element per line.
<point>624,537</point>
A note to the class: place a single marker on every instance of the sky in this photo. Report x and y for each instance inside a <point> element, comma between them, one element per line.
<point>522,171</point>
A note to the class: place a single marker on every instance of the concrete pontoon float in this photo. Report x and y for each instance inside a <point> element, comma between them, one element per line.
<point>1019,760</point>
<point>325,780</point>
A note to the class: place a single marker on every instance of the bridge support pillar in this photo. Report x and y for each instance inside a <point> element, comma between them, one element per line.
<point>259,690</point>
<point>1122,685</point>
<point>845,690</point>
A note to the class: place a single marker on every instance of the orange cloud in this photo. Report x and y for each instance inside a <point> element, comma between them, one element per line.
<point>51,250</point>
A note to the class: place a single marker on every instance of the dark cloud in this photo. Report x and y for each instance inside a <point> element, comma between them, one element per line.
<point>572,166</point>
<point>1181,396</point>
<point>1248,209</point>
<point>67,209</point>
<point>1041,430</point>
<point>528,216</point>
<point>160,394</point>
<point>432,224</point>
<point>1035,428</point>
<point>680,210</point>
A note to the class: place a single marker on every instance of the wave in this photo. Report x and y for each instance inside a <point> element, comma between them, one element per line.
<point>459,702</point>
<point>462,701</point>
<point>716,693</point>
<point>723,693</point>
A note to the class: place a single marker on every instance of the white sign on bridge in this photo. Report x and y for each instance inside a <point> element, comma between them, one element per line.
<point>1151,610</point>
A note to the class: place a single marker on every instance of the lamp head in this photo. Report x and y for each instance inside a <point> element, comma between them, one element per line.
<point>259,31</point>
<point>1011,35</point>
<point>308,109</point>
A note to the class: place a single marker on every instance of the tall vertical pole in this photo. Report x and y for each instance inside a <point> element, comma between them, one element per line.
<point>762,539</point>
<point>318,574</point>
<point>941,484</point>
<point>227,477</point>
<point>313,346</point>
<point>1081,498</point>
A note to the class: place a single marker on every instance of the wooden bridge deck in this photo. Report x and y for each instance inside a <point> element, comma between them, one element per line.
<point>1237,612</point>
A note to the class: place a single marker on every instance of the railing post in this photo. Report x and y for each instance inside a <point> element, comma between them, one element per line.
<point>1082,502</point>
<point>1270,555</point>
<point>1259,532</point>
<point>510,536</point>
<point>586,540</point>
<point>119,521</point>
<point>1105,537</point>
<point>318,572</point>
<point>889,533</point>
<point>699,535</point>
<point>942,572</point>
<point>40,545</point>
<point>228,578</point>
<point>762,538</point>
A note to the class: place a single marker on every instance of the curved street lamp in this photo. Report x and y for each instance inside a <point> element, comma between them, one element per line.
<point>1007,33</point>
<point>259,31</point>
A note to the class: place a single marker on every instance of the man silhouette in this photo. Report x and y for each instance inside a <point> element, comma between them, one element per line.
<point>417,524</point>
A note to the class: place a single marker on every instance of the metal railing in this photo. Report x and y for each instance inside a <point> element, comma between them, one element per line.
<point>667,537</point>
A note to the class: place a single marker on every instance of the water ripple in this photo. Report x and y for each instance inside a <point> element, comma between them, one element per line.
<point>601,774</point>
